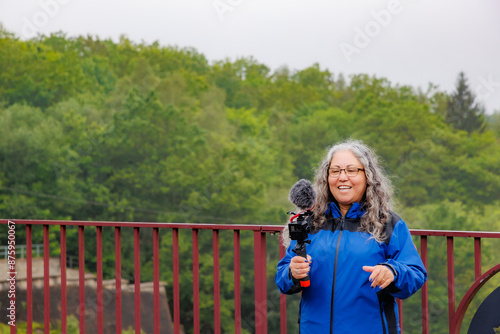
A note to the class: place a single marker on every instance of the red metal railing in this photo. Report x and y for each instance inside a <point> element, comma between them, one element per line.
<point>455,315</point>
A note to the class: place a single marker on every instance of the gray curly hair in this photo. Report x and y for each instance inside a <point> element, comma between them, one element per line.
<point>377,200</point>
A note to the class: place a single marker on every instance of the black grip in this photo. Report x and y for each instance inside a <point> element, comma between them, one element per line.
<point>300,250</point>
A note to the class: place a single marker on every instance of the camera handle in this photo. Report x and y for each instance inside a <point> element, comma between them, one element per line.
<point>300,250</point>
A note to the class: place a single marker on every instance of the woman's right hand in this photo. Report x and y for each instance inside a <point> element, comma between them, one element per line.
<point>299,267</point>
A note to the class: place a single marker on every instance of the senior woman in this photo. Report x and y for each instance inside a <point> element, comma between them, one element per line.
<point>362,256</point>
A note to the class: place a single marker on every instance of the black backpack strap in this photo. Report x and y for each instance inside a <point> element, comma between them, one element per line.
<point>389,226</point>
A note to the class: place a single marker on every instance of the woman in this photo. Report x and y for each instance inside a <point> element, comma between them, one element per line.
<point>362,256</point>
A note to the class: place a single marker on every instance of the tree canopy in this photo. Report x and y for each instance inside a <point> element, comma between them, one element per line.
<point>464,112</point>
<point>119,131</point>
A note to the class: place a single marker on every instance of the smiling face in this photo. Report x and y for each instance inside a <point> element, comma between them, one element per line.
<point>347,189</point>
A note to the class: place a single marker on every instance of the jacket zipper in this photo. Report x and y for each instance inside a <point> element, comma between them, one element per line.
<point>335,270</point>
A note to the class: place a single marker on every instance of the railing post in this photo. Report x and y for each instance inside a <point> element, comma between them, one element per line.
<point>451,283</point>
<point>156,279</point>
<point>64,327</point>
<point>477,257</point>
<point>137,280</point>
<point>11,265</point>
<point>217,322</point>
<point>29,279</point>
<point>399,302</point>
<point>175,254</point>
<point>99,299</point>
<point>237,282</point>
<point>425,289</point>
<point>118,279</point>
<point>196,284</point>
<point>282,253</point>
<point>260,282</point>
<point>81,278</point>
<point>46,280</point>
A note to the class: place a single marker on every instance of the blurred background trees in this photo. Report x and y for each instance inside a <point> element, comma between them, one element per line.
<point>97,130</point>
<point>464,112</point>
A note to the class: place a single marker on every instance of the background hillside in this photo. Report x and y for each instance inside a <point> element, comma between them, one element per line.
<point>97,130</point>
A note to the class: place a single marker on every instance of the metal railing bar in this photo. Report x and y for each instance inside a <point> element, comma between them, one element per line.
<point>156,280</point>
<point>399,302</point>
<point>260,282</point>
<point>100,316</point>
<point>263,279</point>
<point>259,272</point>
<point>461,234</point>
<point>451,282</point>
<point>217,321</point>
<point>46,280</point>
<point>196,283</point>
<point>176,303</point>
<point>64,312</point>
<point>118,279</point>
<point>11,265</point>
<point>425,288</point>
<point>237,281</point>
<point>29,279</point>
<point>271,228</point>
<point>477,257</point>
<point>81,278</point>
<point>137,280</point>
<point>257,275</point>
<point>282,253</point>
<point>241,227</point>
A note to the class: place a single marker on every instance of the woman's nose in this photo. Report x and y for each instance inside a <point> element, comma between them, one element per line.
<point>343,175</point>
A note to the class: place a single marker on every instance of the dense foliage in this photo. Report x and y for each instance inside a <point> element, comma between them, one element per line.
<point>100,130</point>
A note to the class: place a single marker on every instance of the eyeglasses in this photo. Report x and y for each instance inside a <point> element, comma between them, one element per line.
<point>349,171</point>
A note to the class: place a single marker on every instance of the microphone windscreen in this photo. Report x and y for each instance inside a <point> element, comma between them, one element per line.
<point>302,195</point>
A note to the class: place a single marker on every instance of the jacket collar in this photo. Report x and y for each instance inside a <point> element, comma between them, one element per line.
<point>355,211</point>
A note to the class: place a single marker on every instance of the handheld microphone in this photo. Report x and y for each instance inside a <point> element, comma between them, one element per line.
<point>302,195</point>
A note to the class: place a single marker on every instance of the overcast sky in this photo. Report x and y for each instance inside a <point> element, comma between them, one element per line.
<point>408,42</point>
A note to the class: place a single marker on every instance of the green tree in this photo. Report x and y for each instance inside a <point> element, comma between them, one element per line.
<point>121,131</point>
<point>464,112</point>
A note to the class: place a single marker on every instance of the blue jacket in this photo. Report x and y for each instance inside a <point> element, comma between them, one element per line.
<point>340,299</point>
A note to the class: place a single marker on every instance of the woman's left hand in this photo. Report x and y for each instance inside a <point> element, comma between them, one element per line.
<point>381,275</point>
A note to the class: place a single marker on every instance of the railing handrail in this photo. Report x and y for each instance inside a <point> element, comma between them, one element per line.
<point>238,227</point>
<point>259,235</point>
<point>453,233</point>
<point>250,227</point>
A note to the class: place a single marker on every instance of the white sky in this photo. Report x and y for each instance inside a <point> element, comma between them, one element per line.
<point>416,43</point>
